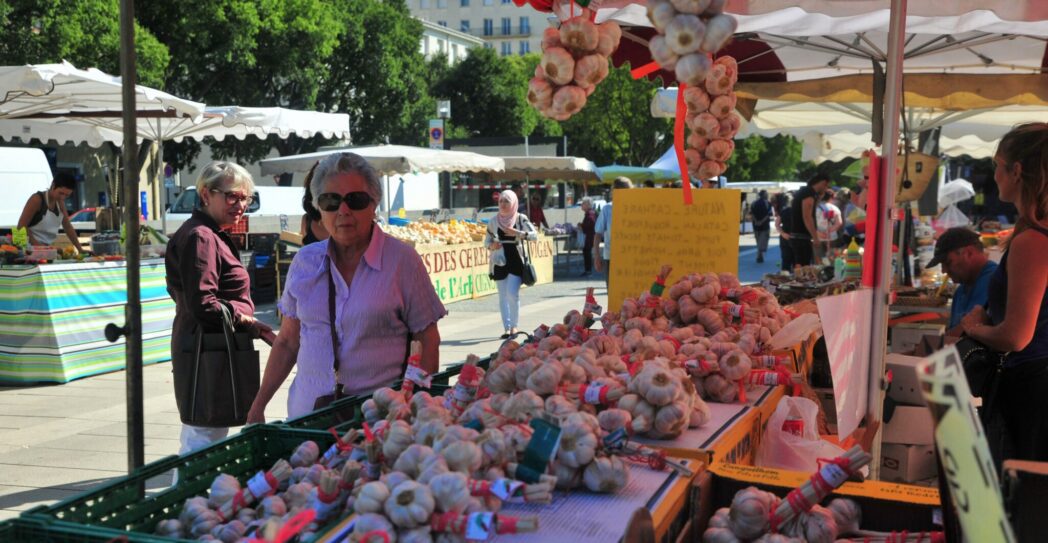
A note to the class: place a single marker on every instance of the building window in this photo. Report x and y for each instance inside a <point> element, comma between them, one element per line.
<point>505,2</point>
<point>507,26</point>
<point>443,23</point>
<point>464,3</point>
<point>487,45</point>
<point>525,47</point>
<point>507,48</point>
<point>525,26</point>
<point>442,4</point>
<point>464,25</point>
<point>489,2</point>
<point>423,4</point>
<point>489,27</point>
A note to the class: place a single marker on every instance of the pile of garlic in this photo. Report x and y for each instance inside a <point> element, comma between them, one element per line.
<point>574,60</point>
<point>431,233</point>
<point>689,32</point>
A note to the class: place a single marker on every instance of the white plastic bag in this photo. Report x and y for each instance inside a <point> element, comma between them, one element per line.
<point>950,218</point>
<point>955,192</point>
<point>783,449</point>
<point>498,257</point>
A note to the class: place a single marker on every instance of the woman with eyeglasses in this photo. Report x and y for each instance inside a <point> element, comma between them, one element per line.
<point>353,302</point>
<point>204,273</point>
<point>507,233</point>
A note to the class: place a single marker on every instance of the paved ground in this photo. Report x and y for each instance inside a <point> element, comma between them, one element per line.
<point>57,441</point>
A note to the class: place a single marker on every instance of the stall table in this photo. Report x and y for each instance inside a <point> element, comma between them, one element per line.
<point>52,319</point>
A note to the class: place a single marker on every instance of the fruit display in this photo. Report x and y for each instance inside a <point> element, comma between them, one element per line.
<point>431,233</point>
<point>574,61</point>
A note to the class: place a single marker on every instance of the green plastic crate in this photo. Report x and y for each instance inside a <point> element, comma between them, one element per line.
<point>135,503</point>
<point>341,414</point>
<point>27,530</point>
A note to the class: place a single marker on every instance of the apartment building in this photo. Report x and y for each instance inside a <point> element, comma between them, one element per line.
<point>503,26</point>
<point>443,40</point>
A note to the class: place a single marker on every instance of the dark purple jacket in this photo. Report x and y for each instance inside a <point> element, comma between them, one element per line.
<point>204,270</point>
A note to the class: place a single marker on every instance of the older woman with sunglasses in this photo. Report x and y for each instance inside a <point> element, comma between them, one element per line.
<point>204,273</point>
<point>353,302</point>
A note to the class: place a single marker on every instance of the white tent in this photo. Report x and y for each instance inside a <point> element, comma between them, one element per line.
<point>392,159</point>
<point>562,168</point>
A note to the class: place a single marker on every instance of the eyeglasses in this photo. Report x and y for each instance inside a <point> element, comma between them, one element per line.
<point>234,197</point>
<point>330,201</point>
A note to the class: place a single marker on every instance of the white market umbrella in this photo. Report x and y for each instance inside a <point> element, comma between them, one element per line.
<point>561,168</point>
<point>391,159</point>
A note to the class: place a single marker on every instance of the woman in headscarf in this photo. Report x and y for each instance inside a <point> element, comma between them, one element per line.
<point>507,232</point>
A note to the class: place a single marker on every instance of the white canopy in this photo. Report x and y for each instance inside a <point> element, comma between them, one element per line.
<point>391,159</point>
<point>46,91</point>
<point>217,122</point>
<point>820,147</point>
<point>565,168</point>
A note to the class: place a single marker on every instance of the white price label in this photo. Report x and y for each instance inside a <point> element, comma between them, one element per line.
<point>480,526</point>
<point>505,489</point>
<point>259,486</point>
<point>417,375</point>
<point>834,475</point>
<point>592,394</point>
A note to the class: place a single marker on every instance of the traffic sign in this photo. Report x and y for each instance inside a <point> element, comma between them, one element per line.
<point>436,133</point>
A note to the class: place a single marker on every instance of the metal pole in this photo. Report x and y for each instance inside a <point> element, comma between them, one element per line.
<point>882,290</point>
<point>133,311</point>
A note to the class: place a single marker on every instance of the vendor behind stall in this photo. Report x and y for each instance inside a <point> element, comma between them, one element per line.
<point>45,212</point>
<point>960,252</point>
<point>353,301</point>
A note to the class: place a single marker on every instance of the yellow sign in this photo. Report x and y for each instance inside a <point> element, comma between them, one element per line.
<point>402,213</point>
<point>963,450</point>
<point>652,227</point>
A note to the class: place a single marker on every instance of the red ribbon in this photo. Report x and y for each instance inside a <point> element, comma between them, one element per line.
<point>368,434</point>
<point>678,143</point>
<point>375,533</point>
<point>294,526</point>
<point>645,70</point>
<point>505,525</point>
<point>342,446</point>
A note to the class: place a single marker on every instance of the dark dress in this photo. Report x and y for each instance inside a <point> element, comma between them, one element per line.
<point>309,237</point>
<point>1023,392</point>
<point>588,232</point>
<point>514,264</point>
<point>203,272</point>
<point>800,238</point>
<point>785,247</point>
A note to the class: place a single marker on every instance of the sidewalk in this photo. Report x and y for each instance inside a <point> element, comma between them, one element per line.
<point>57,441</point>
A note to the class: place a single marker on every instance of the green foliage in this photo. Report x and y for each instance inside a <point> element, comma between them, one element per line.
<point>86,33</point>
<point>759,158</point>
<point>616,125</point>
<point>487,94</point>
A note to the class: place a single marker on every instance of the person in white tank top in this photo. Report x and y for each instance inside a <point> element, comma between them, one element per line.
<point>45,213</point>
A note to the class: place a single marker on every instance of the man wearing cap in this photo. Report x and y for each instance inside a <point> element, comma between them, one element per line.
<point>960,252</point>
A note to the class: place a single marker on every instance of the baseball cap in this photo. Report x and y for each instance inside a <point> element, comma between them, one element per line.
<point>951,240</point>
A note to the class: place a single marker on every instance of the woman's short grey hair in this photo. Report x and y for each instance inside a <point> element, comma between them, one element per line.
<point>587,200</point>
<point>337,163</point>
<point>224,175</point>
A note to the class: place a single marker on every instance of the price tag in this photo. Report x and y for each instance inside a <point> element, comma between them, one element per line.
<point>417,375</point>
<point>259,486</point>
<point>593,393</point>
<point>479,526</point>
<point>834,475</point>
<point>504,489</point>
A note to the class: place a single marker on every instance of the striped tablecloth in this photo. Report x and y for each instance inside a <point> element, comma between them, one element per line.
<point>52,319</point>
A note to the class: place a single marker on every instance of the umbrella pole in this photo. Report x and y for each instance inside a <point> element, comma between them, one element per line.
<point>133,312</point>
<point>882,289</point>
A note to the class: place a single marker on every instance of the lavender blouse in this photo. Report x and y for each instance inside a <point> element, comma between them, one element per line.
<point>390,298</point>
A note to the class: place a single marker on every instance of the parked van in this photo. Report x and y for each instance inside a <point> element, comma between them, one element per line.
<point>263,215</point>
<point>23,171</point>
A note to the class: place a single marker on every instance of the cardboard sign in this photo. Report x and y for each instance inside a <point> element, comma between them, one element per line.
<point>847,346</point>
<point>652,227</point>
<point>460,272</point>
<point>961,441</point>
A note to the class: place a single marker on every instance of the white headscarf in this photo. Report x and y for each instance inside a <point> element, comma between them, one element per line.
<point>508,219</point>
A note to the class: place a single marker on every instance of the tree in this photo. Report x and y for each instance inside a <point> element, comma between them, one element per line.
<point>760,158</point>
<point>616,125</point>
<point>86,33</point>
<point>488,95</point>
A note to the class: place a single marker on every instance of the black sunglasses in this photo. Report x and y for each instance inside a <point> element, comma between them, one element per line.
<point>330,201</point>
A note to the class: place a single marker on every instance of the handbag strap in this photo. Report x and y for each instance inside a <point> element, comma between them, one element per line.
<point>331,322</point>
<point>227,329</point>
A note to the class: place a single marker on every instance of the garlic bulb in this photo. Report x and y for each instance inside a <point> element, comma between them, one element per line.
<point>718,81</point>
<point>450,492</point>
<point>568,100</point>
<point>719,389</point>
<point>613,419</point>
<point>720,150</point>
<point>661,14</point>
<point>493,447</point>
<point>560,406</point>
<point>608,36</point>
<point>223,489</point>
<point>751,510</point>
<point>722,105</point>
<point>544,380</point>
<point>372,524</point>
<point>502,378</point>
<point>591,70</point>
<point>684,34</point>
<point>656,385</point>
<point>700,413</point>
<point>540,93</point>
<point>578,445</point>
<point>846,514</point>
<point>705,125</point>
<point>579,34</point>
<point>432,466</point>
<point>606,474</point>
<point>230,532</point>
<point>523,405</point>
<point>698,101</point>
<point>272,506</point>
<point>410,461</point>
<point>305,454</point>
<point>692,158</point>
<point>672,419</point>
<point>169,528</point>
<point>559,65</point>
<point>371,498</point>
<point>729,126</point>
<point>421,534</point>
<point>710,169</point>
<point>718,31</point>
<point>428,432</point>
<point>661,52</point>
<point>463,456</point>
<point>398,437</point>
<point>409,505</point>
<point>551,38</point>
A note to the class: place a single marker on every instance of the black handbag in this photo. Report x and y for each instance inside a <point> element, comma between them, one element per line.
<point>984,369</point>
<point>216,381</point>
<point>528,276</point>
<point>338,393</point>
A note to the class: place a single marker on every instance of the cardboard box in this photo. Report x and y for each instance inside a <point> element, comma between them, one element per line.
<point>907,463</point>
<point>907,335</point>
<point>910,425</point>
<point>905,388</point>
<point>827,404</point>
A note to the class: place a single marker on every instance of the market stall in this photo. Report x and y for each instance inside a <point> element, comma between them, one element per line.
<point>52,318</point>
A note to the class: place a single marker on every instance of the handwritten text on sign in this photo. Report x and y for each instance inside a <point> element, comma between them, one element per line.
<point>652,227</point>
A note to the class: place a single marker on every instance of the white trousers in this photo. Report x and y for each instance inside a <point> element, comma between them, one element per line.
<point>198,437</point>
<point>509,300</point>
